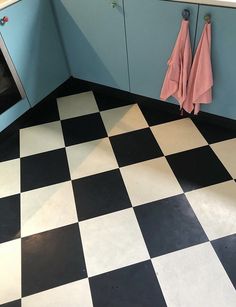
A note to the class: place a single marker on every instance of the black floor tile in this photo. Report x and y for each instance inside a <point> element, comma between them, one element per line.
<point>12,304</point>
<point>71,87</point>
<point>214,133</point>
<point>106,102</point>
<point>226,251</point>
<point>169,225</point>
<point>45,112</point>
<point>44,169</point>
<point>100,194</point>
<point>134,285</point>
<point>9,145</point>
<point>9,218</point>
<point>156,114</point>
<point>135,147</point>
<point>197,168</point>
<point>51,259</point>
<point>83,129</point>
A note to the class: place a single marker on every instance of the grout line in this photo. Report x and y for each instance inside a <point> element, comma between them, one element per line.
<point>126,44</point>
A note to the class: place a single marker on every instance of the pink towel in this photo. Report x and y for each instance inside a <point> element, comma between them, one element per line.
<point>179,66</point>
<point>201,78</point>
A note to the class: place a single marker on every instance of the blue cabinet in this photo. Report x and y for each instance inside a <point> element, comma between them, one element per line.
<point>152,27</point>
<point>94,38</point>
<point>13,113</point>
<point>223,59</point>
<point>125,45</point>
<point>33,42</point>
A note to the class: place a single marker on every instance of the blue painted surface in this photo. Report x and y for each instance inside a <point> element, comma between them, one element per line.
<point>95,43</point>
<point>223,59</point>
<point>94,38</point>
<point>152,29</point>
<point>13,113</point>
<point>33,41</point>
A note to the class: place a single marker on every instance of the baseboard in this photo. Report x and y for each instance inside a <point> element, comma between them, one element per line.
<point>73,86</point>
<point>167,107</point>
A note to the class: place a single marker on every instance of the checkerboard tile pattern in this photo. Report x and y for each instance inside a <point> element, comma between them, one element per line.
<point>108,203</point>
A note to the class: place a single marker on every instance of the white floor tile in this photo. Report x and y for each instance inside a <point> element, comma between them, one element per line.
<point>41,138</point>
<point>91,158</point>
<point>77,105</point>
<point>123,119</point>
<point>215,207</point>
<point>76,294</point>
<point>9,178</point>
<point>112,241</point>
<point>177,136</point>
<point>10,271</point>
<point>149,181</point>
<point>47,208</point>
<point>226,152</point>
<point>194,277</point>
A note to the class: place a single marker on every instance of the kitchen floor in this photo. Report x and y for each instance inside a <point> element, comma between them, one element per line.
<point>108,203</point>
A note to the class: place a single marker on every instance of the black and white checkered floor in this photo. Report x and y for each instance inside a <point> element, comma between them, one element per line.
<point>111,205</point>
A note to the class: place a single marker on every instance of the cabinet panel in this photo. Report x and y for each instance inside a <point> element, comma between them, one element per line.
<point>13,113</point>
<point>33,42</point>
<point>94,37</point>
<point>152,29</point>
<point>223,59</point>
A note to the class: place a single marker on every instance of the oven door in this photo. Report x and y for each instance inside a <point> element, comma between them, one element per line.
<point>11,89</point>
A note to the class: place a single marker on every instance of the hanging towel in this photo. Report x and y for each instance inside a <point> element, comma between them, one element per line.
<point>201,78</point>
<point>179,66</point>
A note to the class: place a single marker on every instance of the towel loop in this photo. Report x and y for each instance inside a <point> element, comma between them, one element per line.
<point>186,14</point>
<point>207,18</point>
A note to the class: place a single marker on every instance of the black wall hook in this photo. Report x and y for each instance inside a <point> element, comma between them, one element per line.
<point>186,14</point>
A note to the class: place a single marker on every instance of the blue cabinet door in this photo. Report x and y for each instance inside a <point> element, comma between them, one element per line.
<point>33,42</point>
<point>152,27</point>
<point>94,37</point>
<point>223,59</point>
